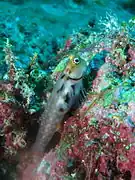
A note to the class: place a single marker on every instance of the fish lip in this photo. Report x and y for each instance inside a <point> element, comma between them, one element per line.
<point>75,79</point>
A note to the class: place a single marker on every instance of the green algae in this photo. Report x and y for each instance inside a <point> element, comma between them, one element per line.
<point>107,99</point>
<point>62,149</point>
<point>61,66</point>
<point>128,95</point>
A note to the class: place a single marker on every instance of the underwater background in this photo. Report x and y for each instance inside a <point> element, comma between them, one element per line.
<point>96,141</point>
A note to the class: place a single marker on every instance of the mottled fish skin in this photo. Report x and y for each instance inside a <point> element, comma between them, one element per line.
<point>66,93</point>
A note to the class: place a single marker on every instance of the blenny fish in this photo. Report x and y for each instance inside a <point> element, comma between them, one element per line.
<point>68,92</point>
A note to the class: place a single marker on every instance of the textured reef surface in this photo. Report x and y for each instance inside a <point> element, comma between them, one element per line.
<point>96,141</point>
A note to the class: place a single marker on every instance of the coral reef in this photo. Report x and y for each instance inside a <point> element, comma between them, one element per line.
<point>43,26</point>
<point>22,93</point>
<point>98,140</point>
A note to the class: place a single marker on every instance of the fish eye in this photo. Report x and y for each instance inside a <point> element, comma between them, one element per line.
<point>76,60</point>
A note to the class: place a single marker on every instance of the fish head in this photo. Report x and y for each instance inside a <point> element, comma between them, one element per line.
<point>76,67</point>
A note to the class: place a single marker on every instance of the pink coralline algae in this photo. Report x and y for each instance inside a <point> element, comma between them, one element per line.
<point>101,147</point>
<point>68,44</point>
<point>99,144</point>
<point>131,53</point>
<point>5,111</point>
<point>10,121</point>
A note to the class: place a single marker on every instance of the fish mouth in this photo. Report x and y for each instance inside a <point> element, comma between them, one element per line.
<point>75,79</point>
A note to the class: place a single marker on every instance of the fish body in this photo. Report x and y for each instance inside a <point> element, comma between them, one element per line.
<point>67,93</point>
